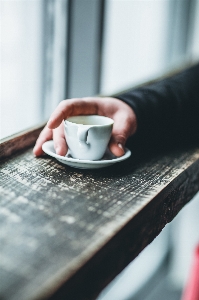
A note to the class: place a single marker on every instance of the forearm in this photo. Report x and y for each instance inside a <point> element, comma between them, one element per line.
<point>168,109</point>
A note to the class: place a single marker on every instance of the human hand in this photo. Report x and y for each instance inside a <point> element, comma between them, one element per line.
<point>125,122</point>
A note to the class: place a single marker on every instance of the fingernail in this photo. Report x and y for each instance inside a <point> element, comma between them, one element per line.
<point>120,146</point>
<point>48,122</point>
<point>33,150</point>
<point>57,149</point>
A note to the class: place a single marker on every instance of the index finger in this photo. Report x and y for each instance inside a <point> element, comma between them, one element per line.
<point>72,107</point>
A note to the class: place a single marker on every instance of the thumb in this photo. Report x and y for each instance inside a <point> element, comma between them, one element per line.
<point>124,126</point>
<point>117,144</point>
<point>121,132</point>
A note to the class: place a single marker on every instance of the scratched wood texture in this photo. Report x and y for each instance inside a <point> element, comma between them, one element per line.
<point>19,141</point>
<point>65,233</point>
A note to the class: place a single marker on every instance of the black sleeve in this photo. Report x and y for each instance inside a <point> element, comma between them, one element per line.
<point>168,110</point>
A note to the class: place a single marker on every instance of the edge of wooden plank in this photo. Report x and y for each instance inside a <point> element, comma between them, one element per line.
<point>19,141</point>
<point>126,244</point>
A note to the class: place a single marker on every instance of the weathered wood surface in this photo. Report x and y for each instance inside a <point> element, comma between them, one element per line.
<point>65,233</point>
<point>19,141</point>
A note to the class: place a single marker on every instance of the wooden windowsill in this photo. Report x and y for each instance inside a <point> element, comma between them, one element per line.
<point>66,233</point>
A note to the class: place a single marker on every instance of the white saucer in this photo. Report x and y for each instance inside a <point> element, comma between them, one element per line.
<point>107,160</point>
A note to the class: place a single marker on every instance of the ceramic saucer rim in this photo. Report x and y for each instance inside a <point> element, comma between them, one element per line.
<point>75,160</point>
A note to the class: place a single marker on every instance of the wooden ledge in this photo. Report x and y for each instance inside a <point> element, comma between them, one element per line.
<point>66,233</point>
<point>19,141</point>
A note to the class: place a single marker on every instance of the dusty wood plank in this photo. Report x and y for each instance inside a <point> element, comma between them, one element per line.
<point>66,233</point>
<point>19,141</point>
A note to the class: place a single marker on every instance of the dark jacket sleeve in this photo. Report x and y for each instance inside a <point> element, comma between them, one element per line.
<point>168,110</point>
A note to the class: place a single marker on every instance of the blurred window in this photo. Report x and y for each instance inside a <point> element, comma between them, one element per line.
<point>143,39</point>
<point>57,49</point>
<point>32,61</point>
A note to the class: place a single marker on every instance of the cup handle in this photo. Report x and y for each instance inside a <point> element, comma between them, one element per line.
<point>82,134</point>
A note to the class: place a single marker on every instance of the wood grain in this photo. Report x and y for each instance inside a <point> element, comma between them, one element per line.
<point>65,233</point>
<point>19,141</point>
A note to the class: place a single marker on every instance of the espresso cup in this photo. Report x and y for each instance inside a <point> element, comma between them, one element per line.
<point>88,136</point>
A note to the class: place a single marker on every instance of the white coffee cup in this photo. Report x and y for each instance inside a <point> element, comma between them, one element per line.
<point>88,136</point>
